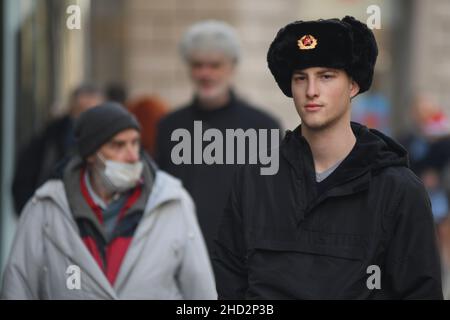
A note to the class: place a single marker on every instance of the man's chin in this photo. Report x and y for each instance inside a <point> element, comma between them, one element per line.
<point>315,124</point>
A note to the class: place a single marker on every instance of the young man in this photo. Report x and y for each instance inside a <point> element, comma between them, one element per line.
<point>111,227</point>
<point>211,51</point>
<point>344,218</point>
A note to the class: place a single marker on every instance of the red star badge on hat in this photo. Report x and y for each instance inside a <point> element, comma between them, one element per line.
<point>307,42</point>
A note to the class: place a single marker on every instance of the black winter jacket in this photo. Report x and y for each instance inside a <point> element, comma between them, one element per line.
<point>281,239</point>
<point>209,185</point>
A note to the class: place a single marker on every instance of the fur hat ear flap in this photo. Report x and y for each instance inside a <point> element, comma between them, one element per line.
<point>365,52</point>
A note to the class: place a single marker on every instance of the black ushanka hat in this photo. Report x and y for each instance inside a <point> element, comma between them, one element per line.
<point>344,44</point>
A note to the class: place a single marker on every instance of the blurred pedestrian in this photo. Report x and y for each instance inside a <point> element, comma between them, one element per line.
<point>428,145</point>
<point>37,160</point>
<point>211,51</point>
<point>373,109</point>
<point>430,127</point>
<point>116,92</point>
<point>148,110</point>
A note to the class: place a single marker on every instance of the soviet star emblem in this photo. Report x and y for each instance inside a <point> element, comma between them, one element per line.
<point>307,42</point>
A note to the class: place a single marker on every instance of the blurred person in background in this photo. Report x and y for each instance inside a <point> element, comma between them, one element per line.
<point>428,144</point>
<point>427,141</point>
<point>373,108</point>
<point>128,228</point>
<point>116,92</point>
<point>37,160</point>
<point>211,51</point>
<point>148,110</point>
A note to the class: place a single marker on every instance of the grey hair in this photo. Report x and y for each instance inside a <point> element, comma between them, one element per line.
<point>210,35</point>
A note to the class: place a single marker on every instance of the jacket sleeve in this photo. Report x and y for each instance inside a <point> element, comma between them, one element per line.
<point>23,270</point>
<point>195,276</point>
<point>413,263</point>
<point>229,258</point>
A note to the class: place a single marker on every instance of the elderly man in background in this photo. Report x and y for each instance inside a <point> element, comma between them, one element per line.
<point>211,52</point>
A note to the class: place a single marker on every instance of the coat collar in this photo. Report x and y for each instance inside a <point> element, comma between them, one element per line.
<point>372,151</point>
<point>77,203</point>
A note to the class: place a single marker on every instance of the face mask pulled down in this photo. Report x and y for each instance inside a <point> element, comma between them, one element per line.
<point>118,176</point>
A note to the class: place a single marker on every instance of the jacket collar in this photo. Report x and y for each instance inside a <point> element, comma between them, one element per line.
<point>78,205</point>
<point>372,152</point>
<point>165,188</point>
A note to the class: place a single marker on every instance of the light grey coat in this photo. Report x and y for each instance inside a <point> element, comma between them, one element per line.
<point>167,258</point>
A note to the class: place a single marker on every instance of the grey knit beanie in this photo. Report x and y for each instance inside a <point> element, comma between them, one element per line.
<point>96,126</point>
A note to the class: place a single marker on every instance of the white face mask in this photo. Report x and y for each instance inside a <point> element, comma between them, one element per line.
<point>119,176</point>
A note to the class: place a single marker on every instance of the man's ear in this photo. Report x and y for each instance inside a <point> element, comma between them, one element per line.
<point>354,88</point>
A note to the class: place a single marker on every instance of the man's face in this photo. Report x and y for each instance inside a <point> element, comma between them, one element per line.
<point>322,96</point>
<point>123,147</point>
<point>85,101</point>
<point>211,74</point>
